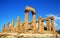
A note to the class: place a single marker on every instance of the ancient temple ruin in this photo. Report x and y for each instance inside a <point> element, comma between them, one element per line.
<point>23,27</point>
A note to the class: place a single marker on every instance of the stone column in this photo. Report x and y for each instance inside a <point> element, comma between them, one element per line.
<point>3,28</point>
<point>17,24</point>
<point>7,27</point>
<point>42,25</point>
<point>52,23</point>
<point>12,26</point>
<point>26,20</point>
<point>39,23</point>
<point>21,27</point>
<point>33,21</point>
<point>48,24</point>
<point>13,23</point>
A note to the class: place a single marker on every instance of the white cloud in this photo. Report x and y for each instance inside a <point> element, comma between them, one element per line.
<point>57,28</point>
<point>9,24</point>
<point>55,16</point>
<point>37,25</point>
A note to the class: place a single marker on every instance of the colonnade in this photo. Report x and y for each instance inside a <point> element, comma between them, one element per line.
<point>24,26</point>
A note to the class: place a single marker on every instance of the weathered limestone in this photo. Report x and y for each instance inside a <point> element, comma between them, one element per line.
<point>17,24</point>
<point>26,20</point>
<point>12,26</point>
<point>52,23</point>
<point>27,9</point>
<point>30,28</point>
<point>7,27</point>
<point>48,24</point>
<point>30,9</point>
<point>3,28</point>
<point>33,25</point>
<point>42,25</point>
<point>21,27</point>
<point>39,23</point>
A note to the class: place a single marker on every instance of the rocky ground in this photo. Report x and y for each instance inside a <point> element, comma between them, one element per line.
<point>32,36</point>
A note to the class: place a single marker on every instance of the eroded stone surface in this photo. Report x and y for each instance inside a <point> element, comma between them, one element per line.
<point>32,36</point>
<point>23,27</point>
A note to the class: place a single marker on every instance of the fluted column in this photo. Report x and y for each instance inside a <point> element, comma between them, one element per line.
<point>33,21</point>
<point>42,25</point>
<point>17,24</point>
<point>26,20</point>
<point>39,23</point>
<point>52,23</point>
<point>48,24</point>
<point>12,26</point>
<point>21,27</point>
<point>3,28</point>
<point>13,23</point>
<point>7,27</point>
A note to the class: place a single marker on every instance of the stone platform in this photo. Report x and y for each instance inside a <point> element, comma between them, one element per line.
<point>31,36</point>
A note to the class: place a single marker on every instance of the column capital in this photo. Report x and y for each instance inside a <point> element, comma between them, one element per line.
<point>39,17</point>
<point>52,17</point>
<point>26,10</point>
<point>33,12</point>
<point>47,19</point>
<point>43,19</point>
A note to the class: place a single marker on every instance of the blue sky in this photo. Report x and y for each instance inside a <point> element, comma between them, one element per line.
<point>10,9</point>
